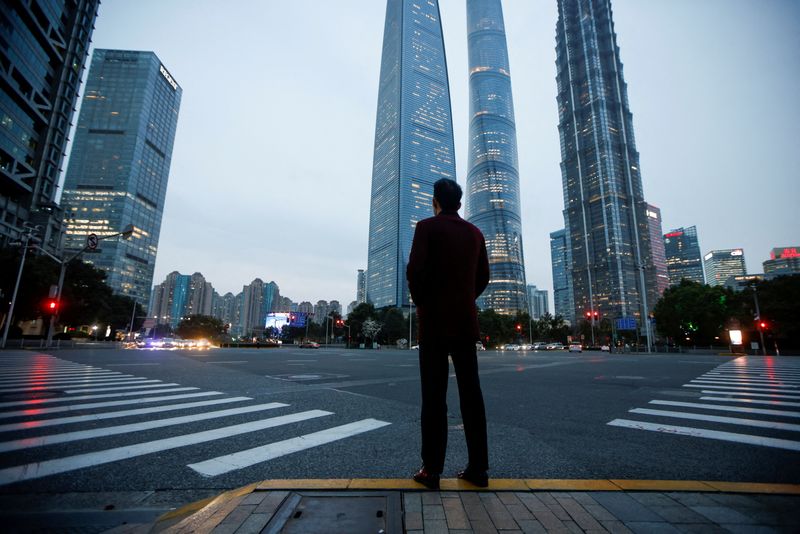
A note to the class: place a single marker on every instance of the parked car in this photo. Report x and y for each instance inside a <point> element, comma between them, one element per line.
<point>575,347</point>
<point>605,348</point>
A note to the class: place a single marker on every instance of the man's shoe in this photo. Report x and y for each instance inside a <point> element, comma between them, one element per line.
<point>476,478</point>
<point>426,478</point>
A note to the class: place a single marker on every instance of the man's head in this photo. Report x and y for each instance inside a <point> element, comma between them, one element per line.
<point>446,195</point>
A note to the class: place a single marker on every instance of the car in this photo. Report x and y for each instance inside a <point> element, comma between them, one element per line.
<point>605,348</point>
<point>479,346</point>
<point>539,346</point>
<point>575,347</point>
<point>555,346</point>
<point>309,345</point>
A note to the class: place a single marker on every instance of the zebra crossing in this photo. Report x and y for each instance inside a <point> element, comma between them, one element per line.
<point>50,401</point>
<point>751,400</point>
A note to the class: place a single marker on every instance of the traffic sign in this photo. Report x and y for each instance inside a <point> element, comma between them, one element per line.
<point>626,323</point>
<point>91,241</point>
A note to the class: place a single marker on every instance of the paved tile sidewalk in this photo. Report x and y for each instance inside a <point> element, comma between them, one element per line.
<point>259,508</point>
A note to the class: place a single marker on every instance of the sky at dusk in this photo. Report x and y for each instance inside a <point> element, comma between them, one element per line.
<point>272,164</point>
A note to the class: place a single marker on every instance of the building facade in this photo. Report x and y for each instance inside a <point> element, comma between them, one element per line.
<point>604,208</point>
<point>537,302</point>
<point>180,296</point>
<point>658,251</point>
<point>561,260</point>
<point>361,287</point>
<point>42,57</point>
<point>722,264</point>
<point>783,261</point>
<point>493,196</point>
<point>413,143</point>
<point>682,251</point>
<point>119,165</point>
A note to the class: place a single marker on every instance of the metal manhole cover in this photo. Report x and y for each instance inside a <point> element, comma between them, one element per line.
<point>355,513</point>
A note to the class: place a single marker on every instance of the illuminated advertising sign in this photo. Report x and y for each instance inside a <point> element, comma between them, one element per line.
<point>280,319</point>
<point>736,337</point>
<point>708,256</point>
<point>168,77</point>
<point>674,234</point>
<point>737,252</point>
<point>785,253</point>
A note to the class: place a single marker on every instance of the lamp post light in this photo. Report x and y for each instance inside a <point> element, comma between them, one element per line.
<point>27,237</point>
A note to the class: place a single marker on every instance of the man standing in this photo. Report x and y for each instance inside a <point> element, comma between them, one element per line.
<point>447,270</point>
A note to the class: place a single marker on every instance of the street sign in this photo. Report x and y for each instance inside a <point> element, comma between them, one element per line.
<point>626,323</point>
<point>91,241</point>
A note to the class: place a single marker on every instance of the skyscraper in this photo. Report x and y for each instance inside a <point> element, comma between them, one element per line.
<point>42,59</point>
<point>493,203</point>
<point>722,264</point>
<point>561,259</point>
<point>604,207</point>
<point>119,165</point>
<point>413,142</point>
<point>682,250</point>
<point>659,257</point>
<point>537,302</point>
<point>783,261</point>
<point>361,287</point>
<point>180,296</point>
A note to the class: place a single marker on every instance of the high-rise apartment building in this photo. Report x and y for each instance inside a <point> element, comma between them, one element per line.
<point>258,299</point>
<point>658,253</point>
<point>413,142</point>
<point>492,196</point>
<point>180,296</point>
<point>783,261</point>
<point>119,165</point>
<point>42,56</point>
<point>604,208</point>
<point>361,287</point>
<point>561,260</point>
<point>722,264</point>
<point>225,309</point>
<point>537,302</point>
<point>682,250</point>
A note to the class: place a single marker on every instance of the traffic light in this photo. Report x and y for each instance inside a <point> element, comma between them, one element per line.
<point>50,306</point>
<point>762,325</point>
<point>596,314</point>
<point>519,328</point>
<point>588,315</point>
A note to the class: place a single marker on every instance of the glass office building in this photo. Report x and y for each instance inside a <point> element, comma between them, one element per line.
<point>43,48</point>
<point>492,196</point>
<point>413,143</point>
<point>657,250</point>
<point>682,250</point>
<point>723,264</point>
<point>604,207</point>
<point>560,256</point>
<point>119,165</point>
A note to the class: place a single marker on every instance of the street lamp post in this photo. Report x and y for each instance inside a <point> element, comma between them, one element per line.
<point>30,235</point>
<point>758,320</point>
<point>125,233</point>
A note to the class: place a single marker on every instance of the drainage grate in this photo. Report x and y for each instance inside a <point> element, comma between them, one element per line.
<point>326,512</point>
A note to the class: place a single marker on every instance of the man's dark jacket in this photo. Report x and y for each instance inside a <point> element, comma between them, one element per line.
<point>447,270</point>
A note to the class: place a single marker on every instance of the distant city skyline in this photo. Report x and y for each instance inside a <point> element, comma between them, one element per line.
<point>246,199</point>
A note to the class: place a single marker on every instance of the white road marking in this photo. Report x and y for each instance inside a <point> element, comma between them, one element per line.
<point>27,425</point>
<point>301,361</point>
<point>72,463</point>
<point>41,441</point>
<point>769,379</point>
<point>239,460</point>
<point>709,434</point>
<point>32,403</point>
<point>158,384</point>
<point>719,419</point>
<point>76,380</point>
<point>76,407</point>
<point>741,382</point>
<point>782,413</point>
<point>232,361</point>
<point>127,364</point>
<point>98,384</point>
<point>22,377</point>
<point>730,391</point>
<point>751,401</point>
<point>737,388</point>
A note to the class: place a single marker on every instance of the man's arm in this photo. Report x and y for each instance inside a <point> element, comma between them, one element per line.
<point>482,272</point>
<point>415,271</point>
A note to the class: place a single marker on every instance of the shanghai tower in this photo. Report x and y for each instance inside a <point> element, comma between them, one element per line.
<point>492,196</point>
<point>604,207</point>
<point>413,143</point>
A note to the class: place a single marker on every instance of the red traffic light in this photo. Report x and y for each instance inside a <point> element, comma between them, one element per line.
<point>588,315</point>
<point>596,314</point>
<point>762,325</point>
<point>50,305</point>
<point>519,328</point>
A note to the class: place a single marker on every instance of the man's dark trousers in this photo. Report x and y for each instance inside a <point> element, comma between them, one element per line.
<point>434,372</point>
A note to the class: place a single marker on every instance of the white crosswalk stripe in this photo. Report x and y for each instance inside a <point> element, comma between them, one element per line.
<point>734,387</point>
<point>43,387</point>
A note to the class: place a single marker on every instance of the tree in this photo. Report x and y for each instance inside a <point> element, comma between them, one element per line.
<point>370,328</point>
<point>695,314</point>
<point>779,307</point>
<point>200,326</point>
<point>394,325</point>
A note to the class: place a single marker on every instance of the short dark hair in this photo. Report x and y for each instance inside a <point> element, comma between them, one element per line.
<point>447,193</point>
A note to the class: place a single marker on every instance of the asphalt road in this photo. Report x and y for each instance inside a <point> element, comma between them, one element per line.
<point>336,413</point>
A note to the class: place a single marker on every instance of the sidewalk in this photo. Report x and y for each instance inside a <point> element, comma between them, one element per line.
<point>352,506</point>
